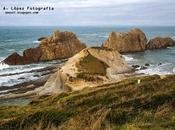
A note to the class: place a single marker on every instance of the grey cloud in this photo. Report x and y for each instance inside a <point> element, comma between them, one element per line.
<point>96,12</point>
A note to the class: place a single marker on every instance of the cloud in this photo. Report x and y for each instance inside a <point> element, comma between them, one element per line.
<point>74,3</point>
<point>95,12</point>
<point>90,3</point>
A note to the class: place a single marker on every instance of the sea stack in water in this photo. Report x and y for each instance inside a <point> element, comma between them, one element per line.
<point>89,68</point>
<point>160,43</point>
<point>60,45</point>
<point>124,42</point>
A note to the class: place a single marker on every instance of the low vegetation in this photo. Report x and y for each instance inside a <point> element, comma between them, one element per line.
<point>126,105</point>
<point>91,65</point>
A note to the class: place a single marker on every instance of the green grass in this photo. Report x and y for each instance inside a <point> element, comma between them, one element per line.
<point>91,65</point>
<point>126,105</point>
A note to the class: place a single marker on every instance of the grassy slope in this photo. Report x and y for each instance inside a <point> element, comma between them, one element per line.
<point>124,105</point>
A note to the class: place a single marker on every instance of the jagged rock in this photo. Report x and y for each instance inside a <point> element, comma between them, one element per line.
<point>88,68</point>
<point>16,59</point>
<point>124,42</point>
<point>160,43</point>
<point>60,45</point>
<point>33,54</point>
<point>21,78</point>
<point>143,68</point>
<point>135,66</point>
<point>147,64</point>
<point>42,38</point>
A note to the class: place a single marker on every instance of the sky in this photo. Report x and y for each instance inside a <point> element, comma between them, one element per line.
<point>91,13</point>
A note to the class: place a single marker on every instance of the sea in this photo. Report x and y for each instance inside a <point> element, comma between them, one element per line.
<point>17,39</point>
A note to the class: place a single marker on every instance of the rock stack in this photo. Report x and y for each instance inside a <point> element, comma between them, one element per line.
<point>125,42</point>
<point>159,43</point>
<point>135,41</point>
<point>60,45</point>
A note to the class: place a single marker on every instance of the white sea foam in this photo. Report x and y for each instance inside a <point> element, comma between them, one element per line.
<point>15,79</point>
<point>36,41</point>
<point>153,71</point>
<point>11,75</point>
<point>165,64</point>
<point>1,58</point>
<point>3,66</point>
<point>174,70</point>
<point>170,47</point>
<point>163,69</point>
<point>11,50</point>
<point>92,34</point>
<point>128,58</point>
<point>6,69</point>
<point>105,36</point>
<point>173,37</point>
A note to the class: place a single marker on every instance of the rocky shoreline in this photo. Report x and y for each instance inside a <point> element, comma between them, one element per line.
<point>87,67</point>
<point>21,90</point>
<point>27,90</point>
<point>94,89</point>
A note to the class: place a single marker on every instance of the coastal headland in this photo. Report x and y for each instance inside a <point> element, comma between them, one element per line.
<point>94,89</point>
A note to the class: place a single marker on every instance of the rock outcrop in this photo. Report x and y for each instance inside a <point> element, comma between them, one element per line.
<point>60,45</point>
<point>125,42</point>
<point>160,43</point>
<point>15,59</point>
<point>42,38</point>
<point>89,68</point>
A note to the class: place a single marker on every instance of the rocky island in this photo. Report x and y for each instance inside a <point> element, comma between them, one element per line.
<point>159,42</point>
<point>125,42</point>
<point>60,45</point>
<point>135,41</point>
